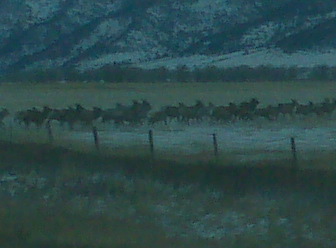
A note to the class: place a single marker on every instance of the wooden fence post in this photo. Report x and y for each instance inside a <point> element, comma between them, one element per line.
<point>95,137</point>
<point>50,134</point>
<point>151,142</point>
<point>215,144</point>
<point>293,146</point>
<point>11,132</point>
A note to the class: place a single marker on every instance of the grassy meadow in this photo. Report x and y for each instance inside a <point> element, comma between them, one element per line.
<point>59,95</point>
<point>21,96</point>
<point>71,196</point>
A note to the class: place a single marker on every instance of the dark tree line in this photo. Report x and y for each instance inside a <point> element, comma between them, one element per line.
<point>119,74</point>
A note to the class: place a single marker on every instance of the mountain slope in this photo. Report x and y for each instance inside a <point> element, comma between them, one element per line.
<point>89,34</point>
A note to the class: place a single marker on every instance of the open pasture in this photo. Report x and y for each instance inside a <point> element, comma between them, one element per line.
<point>252,140</point>
<point>22,96</point>
<point>89,199</point>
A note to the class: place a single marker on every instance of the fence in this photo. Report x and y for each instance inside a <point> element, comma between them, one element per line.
<point>214,146</point>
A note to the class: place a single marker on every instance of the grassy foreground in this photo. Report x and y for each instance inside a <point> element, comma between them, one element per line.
<point>56,197</point>
<point>59,226</point>
<point>31,216</point>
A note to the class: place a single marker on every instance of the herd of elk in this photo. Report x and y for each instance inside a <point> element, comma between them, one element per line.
<point>140,112</point>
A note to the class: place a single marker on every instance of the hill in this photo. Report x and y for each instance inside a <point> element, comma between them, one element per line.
<point>153,33</point>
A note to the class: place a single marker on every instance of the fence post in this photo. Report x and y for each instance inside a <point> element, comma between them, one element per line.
<point>50,134</point>
<point>95,137</point>
<point>151,142</point>
<point>293,146</point>
<point>11,132</point>
<point>214,137</point>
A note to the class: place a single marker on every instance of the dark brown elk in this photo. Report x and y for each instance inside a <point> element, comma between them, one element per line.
<point>270,112</point>
<point>133,114</point>
<point>56,115</point>
<point>187,113</point>
<point>205,112</point>
<point>327,107</point>
<point>172,112</point>
<point>246,109</point>
<point>32,116</point>
<point>305,109</point>
<point>136,113</point>
<point>224,113</point>
<point>140,112</point>
<point>157,117</point>
<point>68,115</point>
<point>115,114</point>
<point>288,109</point>
<point>195,112</point>
<point>87,117</point>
